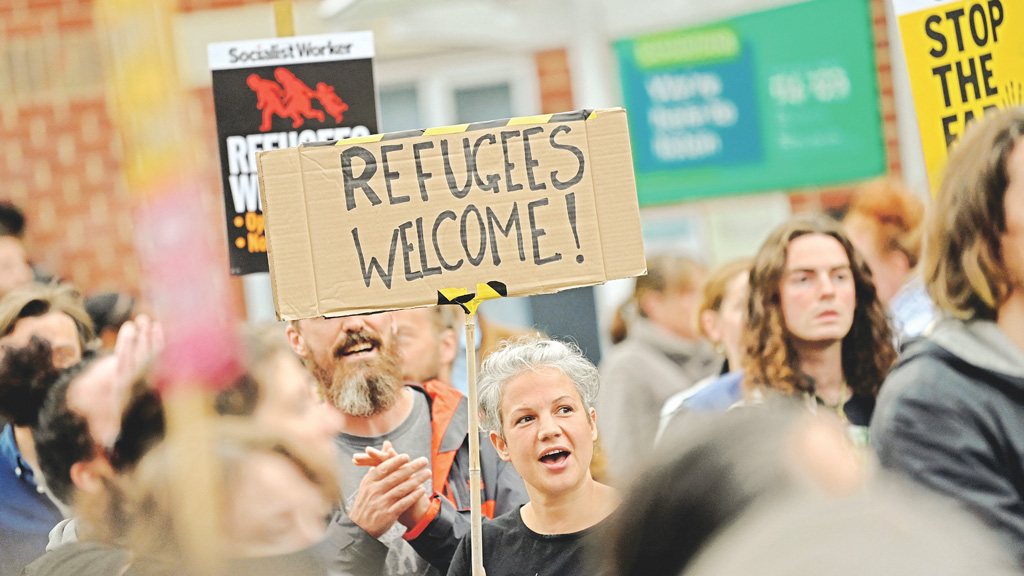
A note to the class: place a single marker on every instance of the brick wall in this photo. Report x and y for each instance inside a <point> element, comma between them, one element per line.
<point>61,155</point>
<point>61,159</point>
<point>554,80</point>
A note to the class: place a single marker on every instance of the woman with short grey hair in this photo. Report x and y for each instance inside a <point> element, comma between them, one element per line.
<point>537,399</point>
<point>531,354</point>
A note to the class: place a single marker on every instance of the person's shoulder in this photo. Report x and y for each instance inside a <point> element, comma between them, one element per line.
<point>501,527</point>
<point>928,380</point>
<point>79,559</point>
<point>925,369</point>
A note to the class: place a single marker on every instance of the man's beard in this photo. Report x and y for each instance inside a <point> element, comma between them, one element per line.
<point>365,388</point>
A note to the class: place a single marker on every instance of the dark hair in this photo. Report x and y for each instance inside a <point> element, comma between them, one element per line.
<point>40,299</point>
<point>263,343</point>
<point>12,220</point>
<point>709,473</point>
<point>109,309</point>
<point>771,359</point>
<point>26,374</point>
<point>143,426</point>
<point>963,264</point>
<point>62,435</point>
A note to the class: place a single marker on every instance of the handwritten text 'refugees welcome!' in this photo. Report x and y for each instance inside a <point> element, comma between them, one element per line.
<point>497,192</point>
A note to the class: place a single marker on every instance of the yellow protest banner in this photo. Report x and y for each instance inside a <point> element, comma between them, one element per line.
<point>964,57</point>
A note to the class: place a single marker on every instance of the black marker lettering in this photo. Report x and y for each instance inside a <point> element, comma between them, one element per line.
<point>362,181</point>
<point>389,175</point>
<point>513,220</point>
<point>576,152</point>
<point>536,233</point>
<point>530,162</point>
<point>368,270</point>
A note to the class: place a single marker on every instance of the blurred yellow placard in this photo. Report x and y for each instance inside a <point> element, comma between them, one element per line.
<point>964,57</point>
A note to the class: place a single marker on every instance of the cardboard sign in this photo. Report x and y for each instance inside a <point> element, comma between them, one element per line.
<point>279,93</point>
<point>963,58</point>
<point>530,205</point>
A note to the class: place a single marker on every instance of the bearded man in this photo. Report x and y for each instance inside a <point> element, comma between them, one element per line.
<point>404,451</point>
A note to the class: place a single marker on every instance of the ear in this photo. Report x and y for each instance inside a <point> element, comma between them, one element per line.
<point>296,341</point>
<point>449,346</point>
<point>593,425</point>
<point>709,326</point>
<point>88,475</point>
<point>500,446</point>
<point>897,260</point>
<point>650,304</point>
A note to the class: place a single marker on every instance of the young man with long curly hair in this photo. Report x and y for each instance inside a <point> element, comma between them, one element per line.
<point>815,327</point>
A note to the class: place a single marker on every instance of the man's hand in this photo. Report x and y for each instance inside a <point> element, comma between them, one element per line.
<point>389,489</point>
<point>138,341</point>
<point>374,457</point>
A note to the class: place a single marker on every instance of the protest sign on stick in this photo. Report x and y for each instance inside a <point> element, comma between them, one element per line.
<point>536,205</point>
<point>280,92</point>
<point>964,57</point>
<point>452,215</point>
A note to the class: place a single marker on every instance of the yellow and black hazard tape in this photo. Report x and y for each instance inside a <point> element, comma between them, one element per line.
<point>471,300</point>
<point>573,116</point>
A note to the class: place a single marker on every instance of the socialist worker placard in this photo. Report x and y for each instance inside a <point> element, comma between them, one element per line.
<point>279,93</point>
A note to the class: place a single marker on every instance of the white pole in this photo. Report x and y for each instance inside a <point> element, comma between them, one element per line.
<point>476,535</point>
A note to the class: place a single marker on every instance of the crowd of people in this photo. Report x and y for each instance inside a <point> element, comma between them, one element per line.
<point>847,400</point>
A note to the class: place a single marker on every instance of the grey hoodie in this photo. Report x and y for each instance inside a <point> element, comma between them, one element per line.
<point>951,416</point>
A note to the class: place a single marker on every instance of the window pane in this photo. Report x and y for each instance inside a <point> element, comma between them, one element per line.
<point>481,103</point>
<point>399,109</point>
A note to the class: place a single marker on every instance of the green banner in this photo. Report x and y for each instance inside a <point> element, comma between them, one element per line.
<point>775,100</point>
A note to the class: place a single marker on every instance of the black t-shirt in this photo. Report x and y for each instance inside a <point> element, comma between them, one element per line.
<point>512,549</point>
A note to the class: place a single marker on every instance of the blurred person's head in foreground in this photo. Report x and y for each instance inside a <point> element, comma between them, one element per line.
<point>709,472</point>
<point>427,343</point>
<point>95,426</point>
<point>894,531</point>
<point>272,493</point>
<point>974,240</point>
<point>53,312</point>
<point>109,311</point>
<point>667,296</point>
<point>77,410</point>
<point>811,297</point>
<point>884,222</point>
<point>278,391</point>
<point>723,309</point>
<point>537,400</point>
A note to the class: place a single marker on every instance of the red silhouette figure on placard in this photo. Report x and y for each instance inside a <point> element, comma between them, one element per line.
<point>297,98</point>
<point>330,101</point>
<point>290,97</point>
<point>268,99</point>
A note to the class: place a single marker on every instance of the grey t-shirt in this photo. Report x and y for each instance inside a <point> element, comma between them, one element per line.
<point>412,437</point>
